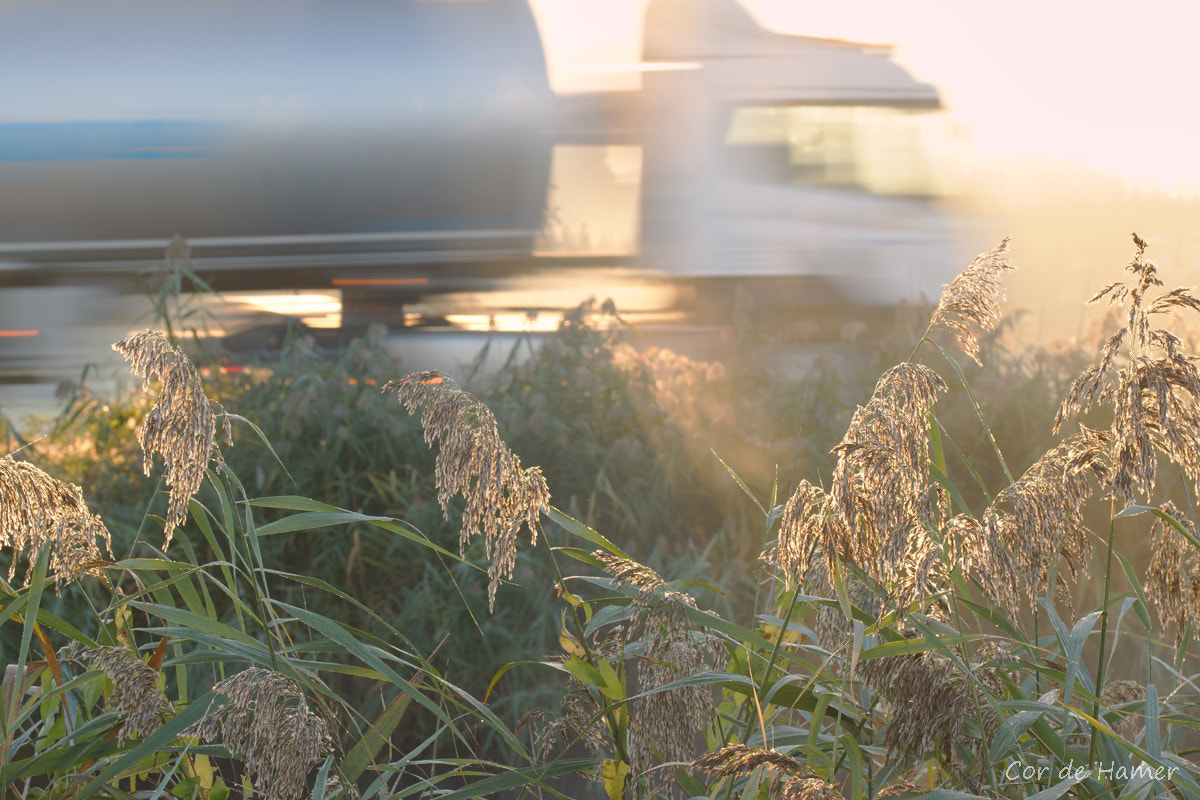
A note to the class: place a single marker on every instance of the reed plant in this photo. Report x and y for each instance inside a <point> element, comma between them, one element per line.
<point>911,631</point>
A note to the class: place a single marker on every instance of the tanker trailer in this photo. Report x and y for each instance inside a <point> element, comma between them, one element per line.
<point>293,143</point>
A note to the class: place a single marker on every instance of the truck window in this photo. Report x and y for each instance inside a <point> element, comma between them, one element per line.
<point>870,148</point>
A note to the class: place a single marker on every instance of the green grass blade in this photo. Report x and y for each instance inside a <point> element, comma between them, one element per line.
<point>129,762</point>
<point>367,748</point>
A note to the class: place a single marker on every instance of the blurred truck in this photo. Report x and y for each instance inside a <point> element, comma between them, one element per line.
<point>794,163</point>
<point>403,149</point>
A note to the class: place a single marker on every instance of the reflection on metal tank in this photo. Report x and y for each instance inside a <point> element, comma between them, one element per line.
<point>769,156</point>
<point>289,134</point>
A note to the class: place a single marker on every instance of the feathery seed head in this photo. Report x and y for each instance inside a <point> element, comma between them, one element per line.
<point>791,779</point>
<point>1037,523</point>
<point>268,724</point>
<point>473,461</point>
<point>1173,576</point>
<point>881,489</point>
<point>669,721</point>
<point>809,522</point>
<point>578,717</point>
<point>136,698</point>
<point>1118,693</point>
<point>626,572</point>
<point>35,509</point>
<point>929,697</point>
<point>973,298</point>
<point>181,427</point>
<point>1154,387</point>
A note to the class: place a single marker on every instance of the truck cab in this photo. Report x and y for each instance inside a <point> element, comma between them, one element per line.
<point>786,161</point>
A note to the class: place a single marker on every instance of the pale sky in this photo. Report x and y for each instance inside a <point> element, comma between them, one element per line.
<point>1114,89</point>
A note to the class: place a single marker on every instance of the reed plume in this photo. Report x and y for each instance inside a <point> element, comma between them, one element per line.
<point>973,299</point>
<point>1036,525</point>
<point>267,723</point>
<point>1173,577</point>
<point>790,779</point>
<point>1153,386</point>
<point>664,724</point>
<point>136,697</point>
<point>1118,693</point>
<point>930,700</point>
<point>473,461</point>
<point>36,509</point>
<point>182,425</point>
<point>885,514</point>
<point>882,498</point>
<point>577,719</point>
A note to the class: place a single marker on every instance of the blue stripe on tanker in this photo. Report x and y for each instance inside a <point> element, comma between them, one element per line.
<point>28,142</point>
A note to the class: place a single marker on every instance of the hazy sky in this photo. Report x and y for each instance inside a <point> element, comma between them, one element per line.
<point>1114,89</point>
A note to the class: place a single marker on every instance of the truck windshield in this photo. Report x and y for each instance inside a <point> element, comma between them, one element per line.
<point>875,149</point>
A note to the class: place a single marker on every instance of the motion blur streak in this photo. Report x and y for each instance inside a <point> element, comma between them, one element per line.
<point>405,152</point>
<point>265,129</point>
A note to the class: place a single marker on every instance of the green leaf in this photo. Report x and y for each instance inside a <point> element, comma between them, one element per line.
<point>376,736</point>
<point>584,672</point>
<point>737,478</point>
<point>1153,742</point>
<point>907,646</point>
<point>309,520</point>
<point>577,528</point>
<point>514,778</point>
<point>1059,789</point>
<point>1140,608</point>
<point>978,411</point>
<point>1076,670</point>
<point>367,655</point>
<point>858,772</point>
<point>263,438</point>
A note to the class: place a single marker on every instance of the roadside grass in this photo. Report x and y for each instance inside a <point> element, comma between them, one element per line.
<point>932,569</point>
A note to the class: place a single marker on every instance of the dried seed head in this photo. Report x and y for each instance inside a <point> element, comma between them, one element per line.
<point>831,625</point>
<point>1155,394</point>
<point>1036,524</point>
<point>136,698</point>
<point>901,787</point>
<point>579,718</point>
<point>739,760</point>
<point>790,780</point>
<point>474,461</point>
<point>810,524</point>
<point>1173,577</point>
<point>665,724</point>
<point>981,553</point>
<point>929,697</point>
<point>267,723</point>
<point>35,509</point>
<point>973,298</point>
<point>808,789</point>
<point>881,492</point>
<point>1118,693</point>
<point>181,427</point>
<point>626,572</point>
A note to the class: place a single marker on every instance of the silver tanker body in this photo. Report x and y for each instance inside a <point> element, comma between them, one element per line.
<point>287,140</point>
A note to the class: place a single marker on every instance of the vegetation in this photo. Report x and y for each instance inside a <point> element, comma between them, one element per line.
<point>903,626</point>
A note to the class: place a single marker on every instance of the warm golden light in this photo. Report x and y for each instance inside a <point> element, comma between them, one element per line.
<point>314,309</point>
